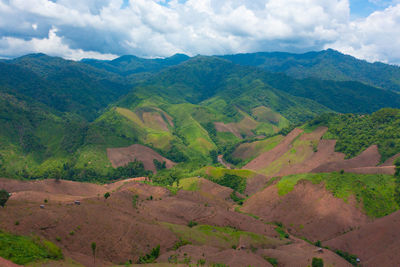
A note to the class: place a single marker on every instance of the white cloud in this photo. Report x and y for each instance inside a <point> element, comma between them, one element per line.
<point>53,45</point>
<point>375,38</point>
<point>160,28</point>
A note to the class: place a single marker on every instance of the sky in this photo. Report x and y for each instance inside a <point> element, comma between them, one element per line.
<point>106,29</point>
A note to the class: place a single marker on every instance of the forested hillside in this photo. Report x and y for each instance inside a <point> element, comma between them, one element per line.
<point>326,65</point>
<point>59,117</point>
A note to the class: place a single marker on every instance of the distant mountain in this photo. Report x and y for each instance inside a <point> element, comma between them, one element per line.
<point>327,65</point>
<point>128,65</point>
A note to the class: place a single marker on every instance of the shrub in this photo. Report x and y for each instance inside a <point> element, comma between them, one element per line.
<point>348,257</point>
<point>317,262</point>
<point>151,257</point>
<point>135,200</point>
<point>4,196</point>
<point>107,195</point>
<point>273,261</point>
<point>191,224</point>
<point>181,243</point>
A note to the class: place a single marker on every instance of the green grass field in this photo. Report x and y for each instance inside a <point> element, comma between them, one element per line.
<point>23,249</point>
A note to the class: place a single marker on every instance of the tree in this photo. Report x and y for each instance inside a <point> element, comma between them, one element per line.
<point>93,245</point>
<point>317,262</point>
<point>397,164</point>
<point>4,196</point>
<point>107,195</point>
<point>397,182</point>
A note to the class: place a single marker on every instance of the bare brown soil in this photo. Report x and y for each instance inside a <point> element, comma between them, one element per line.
<point>325,159</point>
<point>6,263</point>
<point>255,184</point>
<point>325,153</point>
<point>309,210</point>
<point>300,253</point>
<point>364,163</point>
<point>376,243</point>
<point>229,257</point>
<point>270,156</point>
<point>121,231</point>
<point>155,121</point>
<point>230,127</point>
<point>243,127</point>
<point>123,155</point>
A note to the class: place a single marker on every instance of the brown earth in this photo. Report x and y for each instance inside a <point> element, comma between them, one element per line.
<point>123,155</point>
<point>268,157</point>
<point>368,158</point>
<point>120,231</point>
<point>230,127</point>
<point>249,150</point>
<point>301,253</point>
<point>255,184</point>
<point>376,243</point>
<point>154,121</point>
<point>325,159</point>
<point>325,153</point>
<point>243,127</point>
<point>230,257</point>
<point>365,163</point>
<point>308,210</point>
<point>6,263</point>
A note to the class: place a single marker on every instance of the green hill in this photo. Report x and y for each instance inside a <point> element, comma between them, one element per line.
<point>58,117</point>
<point>355,133</point>
<point>326,65</point>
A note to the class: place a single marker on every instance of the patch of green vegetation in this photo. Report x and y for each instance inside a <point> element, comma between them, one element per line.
<point>23,249</point>
<point>301,149</point>
<point>281,231</point>
<point>236,199</point>
<point>237,209</point>
<point>135,199</point>
<point>273,261</point>
<point>150,257</point>
<point>189,184</point>
<point>375,192</point>
<point>180,243</point>
<point>348,257</point>
<point>355,133</point>
<point>317,262</point>
<point>237,183</point>
<point>222,237</point>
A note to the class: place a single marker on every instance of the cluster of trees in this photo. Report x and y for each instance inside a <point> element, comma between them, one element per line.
<point>71,172</point>
<point>355,133</point>
<point>397,181</point>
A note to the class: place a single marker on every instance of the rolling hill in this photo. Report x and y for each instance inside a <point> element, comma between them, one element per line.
<point>326,65</point>
<point>203,161</point>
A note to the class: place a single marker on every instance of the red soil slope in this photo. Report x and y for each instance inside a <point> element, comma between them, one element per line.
<point>6,263</point>
<point>364,163</point>
<point>309,210</point>
<point>124,155</point>
<point>376,243</point>
<point>268,157</point>
<point>301,253</point>
<point>231,257</point>
<point>120,231</point>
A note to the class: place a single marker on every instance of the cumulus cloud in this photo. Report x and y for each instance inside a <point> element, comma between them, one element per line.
<point>53,45</point>
<point>375,38</point>
<point>154,28</point>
